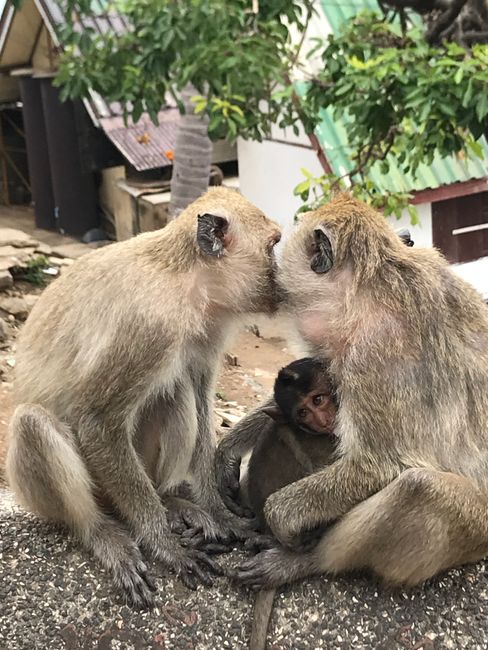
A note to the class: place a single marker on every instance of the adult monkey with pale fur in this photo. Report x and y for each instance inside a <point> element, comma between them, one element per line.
<point>115,379</point>
<point>407,342</point>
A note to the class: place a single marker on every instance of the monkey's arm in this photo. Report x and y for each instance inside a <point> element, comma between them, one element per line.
<point>241,439</point>
<point>323,497</point>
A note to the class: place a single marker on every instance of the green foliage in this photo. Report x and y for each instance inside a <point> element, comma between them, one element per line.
<point>33,271</point>
<point>400,96</point>
<point>315,190</point>
<point>236,59</point>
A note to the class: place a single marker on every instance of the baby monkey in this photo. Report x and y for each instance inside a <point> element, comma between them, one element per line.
<point>301,440</point>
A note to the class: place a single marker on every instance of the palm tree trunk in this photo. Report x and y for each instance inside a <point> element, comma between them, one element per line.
<point>193,157</point>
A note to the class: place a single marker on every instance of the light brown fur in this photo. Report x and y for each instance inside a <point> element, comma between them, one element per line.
<point>115,379</point>
<point>407,342</point>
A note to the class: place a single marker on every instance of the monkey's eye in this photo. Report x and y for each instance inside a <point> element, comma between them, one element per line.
<point>302,414</point>
<point>318,399</point>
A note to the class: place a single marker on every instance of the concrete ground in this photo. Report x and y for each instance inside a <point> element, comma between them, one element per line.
<point>54,596</point>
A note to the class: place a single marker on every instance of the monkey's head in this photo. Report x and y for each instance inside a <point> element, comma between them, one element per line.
<point>305,397</point>
<point>341,244</point>
<point>234,246</point>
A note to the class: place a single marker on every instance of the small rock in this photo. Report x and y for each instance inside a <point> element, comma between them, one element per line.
<point>11,362</point>
<point>61,261</point>
<point>31,299</point>
<point>4,331</point>
<point>228,419</point>
<point>44,249</point>
<point>74,250</point>
<point>6,279</point>
<point>16,307</point>
<point>231,359</point>
<point>17,238</point>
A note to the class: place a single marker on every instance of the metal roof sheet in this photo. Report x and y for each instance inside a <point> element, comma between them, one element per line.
<point>144,144</point>
<point>146,152</point>
<point>332,133</point>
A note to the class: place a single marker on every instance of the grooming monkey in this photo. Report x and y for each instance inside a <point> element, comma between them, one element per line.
<point>115,381</point>
<point>300,442</point>
<point>407,342</point>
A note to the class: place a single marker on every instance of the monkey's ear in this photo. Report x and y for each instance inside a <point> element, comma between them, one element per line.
<point>274,412</point>
<point>323,259</point>
<point>211,232</point>
<point>404,234</point>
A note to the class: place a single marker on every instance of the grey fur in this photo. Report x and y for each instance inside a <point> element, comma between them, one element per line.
<point>115,374</point>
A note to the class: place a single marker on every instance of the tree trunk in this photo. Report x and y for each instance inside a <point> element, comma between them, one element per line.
<point>193,157</point>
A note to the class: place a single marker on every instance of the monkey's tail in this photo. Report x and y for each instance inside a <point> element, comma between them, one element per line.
<point>263,606</point>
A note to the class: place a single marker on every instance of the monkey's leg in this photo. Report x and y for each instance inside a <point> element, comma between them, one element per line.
<point>113,460</point>
<point>422,523</point>
<point>225,525</point>
<point>48,476</point>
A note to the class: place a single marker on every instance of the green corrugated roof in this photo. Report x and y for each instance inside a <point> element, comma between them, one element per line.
<point>332,133</point>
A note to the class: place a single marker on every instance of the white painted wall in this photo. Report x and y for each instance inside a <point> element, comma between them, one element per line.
<point>421,234</point>
<point>269,171</point>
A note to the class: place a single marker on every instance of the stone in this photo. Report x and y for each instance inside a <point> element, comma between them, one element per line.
<point>4,331</point>
<point>6,280</point>
<point>14,306</point>
<point>61,261</point>
<point>31,299</point>
<point>17,238</point>
<point>44,249</point>
<point>73,250</point>
<point>228,418</point>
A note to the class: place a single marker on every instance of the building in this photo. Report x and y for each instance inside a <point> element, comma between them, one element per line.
<point>78,159</point>
<point>451,195</point>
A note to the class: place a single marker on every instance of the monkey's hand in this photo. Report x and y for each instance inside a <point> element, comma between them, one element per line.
<point>227,473</point>
<point>192,566</point>
<point>222,529</point>
<point>272,568</point>
<point>317,500</point>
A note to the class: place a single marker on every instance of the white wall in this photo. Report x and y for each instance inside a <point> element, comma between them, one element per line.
<point>269,171</point>
<point>421,234</point>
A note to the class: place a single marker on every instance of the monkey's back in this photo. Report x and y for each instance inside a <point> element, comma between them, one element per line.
<point>281,457</point>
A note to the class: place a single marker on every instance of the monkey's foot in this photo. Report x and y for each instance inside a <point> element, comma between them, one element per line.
<point>272,568</point>
<point>132,579</point>
<point>192,567</point>
<point>225,530</point>
<point>195,528</point>
<point>260,542</point>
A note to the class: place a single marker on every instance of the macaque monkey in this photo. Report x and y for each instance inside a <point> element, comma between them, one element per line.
<point>407,343</point>
<point>302,438</point>
<point>115,382</point>
<point>300,442</point>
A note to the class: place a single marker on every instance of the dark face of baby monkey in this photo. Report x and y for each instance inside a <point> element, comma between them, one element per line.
<point>305,397</point>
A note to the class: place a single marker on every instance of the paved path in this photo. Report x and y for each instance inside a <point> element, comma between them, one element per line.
<point>53,596</point>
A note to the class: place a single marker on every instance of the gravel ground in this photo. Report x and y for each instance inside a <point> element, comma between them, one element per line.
<point>53,596</point>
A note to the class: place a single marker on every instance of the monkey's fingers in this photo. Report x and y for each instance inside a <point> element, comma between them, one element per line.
<point>258,542</point>
<point>199,568</point>
<point>198,541</point>
<point>136,585</point>
<point>253,573</point>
